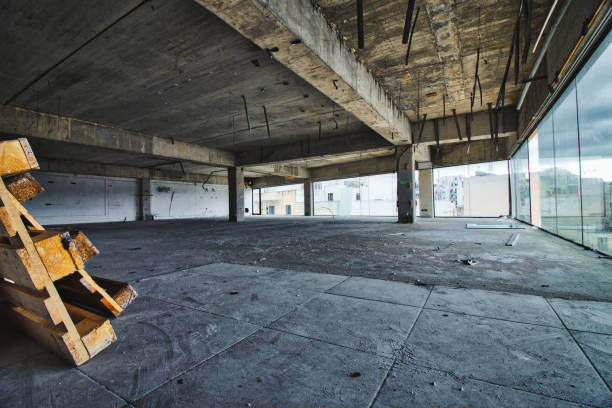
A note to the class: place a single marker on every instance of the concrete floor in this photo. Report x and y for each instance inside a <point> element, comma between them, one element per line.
<point>233,315</point>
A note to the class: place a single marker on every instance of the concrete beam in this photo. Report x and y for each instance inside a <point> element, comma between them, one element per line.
<point>312,149</point>
<point>272,181</point>
<point>481,151</point>
<point>26,123</point>
<point>299,37</point>
<point>280,169</point>
<point>110,170</point>
<point>368,167</point>
<point>479,126</point>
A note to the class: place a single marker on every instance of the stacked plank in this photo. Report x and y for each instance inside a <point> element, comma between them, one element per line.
<point>44,287</point>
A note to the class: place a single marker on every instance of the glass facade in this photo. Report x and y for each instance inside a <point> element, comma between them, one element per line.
<point>475,190</point>
<point>562,178</point>
<point>358,196</point>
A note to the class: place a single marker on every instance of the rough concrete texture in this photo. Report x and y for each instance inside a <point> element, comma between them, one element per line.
<point>430,251</point>
<point>204,333</point>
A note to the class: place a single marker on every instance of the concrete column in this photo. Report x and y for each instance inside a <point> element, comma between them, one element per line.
<point>308,198</point>
<point>406,194</point>
<point>145,199</point>
<point>235,180</point>
<point>426,193</point>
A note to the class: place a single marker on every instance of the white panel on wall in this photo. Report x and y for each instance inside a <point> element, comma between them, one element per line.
<point>188,200</point>
<point>71,199</point>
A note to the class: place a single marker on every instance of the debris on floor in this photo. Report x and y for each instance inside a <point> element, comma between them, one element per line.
<point>494,226</point>
<point>513,239</point>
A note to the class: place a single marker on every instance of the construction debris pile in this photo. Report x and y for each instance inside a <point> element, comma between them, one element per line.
<point>44,287</point>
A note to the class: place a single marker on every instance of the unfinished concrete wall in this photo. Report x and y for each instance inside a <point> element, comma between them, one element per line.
<point>70,199</point>
<point>172,199</point>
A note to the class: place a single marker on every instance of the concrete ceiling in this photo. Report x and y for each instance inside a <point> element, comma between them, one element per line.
<point>166,68</point>
<point>443,52</point>
<point>175,70</point>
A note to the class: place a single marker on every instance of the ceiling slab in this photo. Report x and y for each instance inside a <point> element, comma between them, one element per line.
<point>442,60</point>
<point>302,40</point>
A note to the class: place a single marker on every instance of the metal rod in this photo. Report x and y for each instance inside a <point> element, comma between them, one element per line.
<point>457,124</point>
<point>267,123</point>
<point>246,112</point>
<point>468,129</point>
<point>408,20</point>
<point>416,17</point>
<point>360,39</point>
<point>437,134</point>
<point>444,110</point>
<point>421,127</point>
<point>489,105</point>
<point>542,52</point>
<point>527,28</point>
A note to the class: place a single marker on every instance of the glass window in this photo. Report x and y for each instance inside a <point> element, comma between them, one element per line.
<point>449,197</point>
<point>359,196</point>
<point>523,208</point>
<point>475,190</point>
<point>567,167</point>
<point>283,200</point>
<point>594,88</point>
<point>542,176</point>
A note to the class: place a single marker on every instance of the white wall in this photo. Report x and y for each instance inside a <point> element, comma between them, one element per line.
<point>71,199</point>
<point>172,199</point>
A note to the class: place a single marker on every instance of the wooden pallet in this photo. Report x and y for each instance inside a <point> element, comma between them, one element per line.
<point>44,287</point>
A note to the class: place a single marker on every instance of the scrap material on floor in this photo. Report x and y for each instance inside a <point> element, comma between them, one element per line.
<point>44,287</point>
<point>494,226</point>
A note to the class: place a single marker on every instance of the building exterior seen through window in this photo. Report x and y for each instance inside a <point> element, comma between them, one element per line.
<point>561,178</point>
<point>475,190</point>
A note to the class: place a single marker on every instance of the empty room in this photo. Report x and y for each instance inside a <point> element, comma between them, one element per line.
<point>306,203</point>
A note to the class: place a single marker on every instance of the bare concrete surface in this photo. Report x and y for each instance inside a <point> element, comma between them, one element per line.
<point>430,251</point>
<point>281,313</point>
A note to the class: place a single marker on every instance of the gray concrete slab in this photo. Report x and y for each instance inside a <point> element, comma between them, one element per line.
<point>249,299</point>
<point>499,305</point>
<point>429,251</point>
<point>229,270</point>
<point>289,278</point>
<point>365,325</point>
<point>153,349</point>
<point>539,359</point>
<point>44,381</point>
<point>598,347</point>
<point>584,315</point>
<point>318,282</point>
<point>15,346</point>
<point>412,386</point>
<point>385,291</point>
<point>274,369</point>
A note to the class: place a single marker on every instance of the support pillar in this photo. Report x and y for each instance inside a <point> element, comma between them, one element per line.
<point>406,193</point>
<point>235,180</point>
<point>426,193</point>
<point>308,198</point>
<point>145,199</point>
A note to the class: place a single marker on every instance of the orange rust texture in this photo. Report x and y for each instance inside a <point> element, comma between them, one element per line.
<point>84,246</point>
<point>23,186</point>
